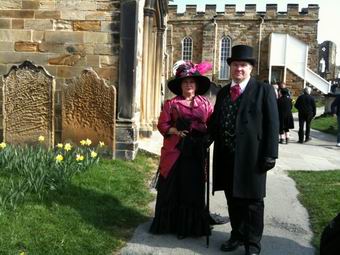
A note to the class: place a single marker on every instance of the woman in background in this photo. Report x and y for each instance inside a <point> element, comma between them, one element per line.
<point>285,105</point>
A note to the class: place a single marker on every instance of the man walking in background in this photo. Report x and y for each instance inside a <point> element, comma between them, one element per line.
<point>305,104</point>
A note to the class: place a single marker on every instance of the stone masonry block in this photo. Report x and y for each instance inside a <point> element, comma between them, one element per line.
<point>68,72</point>
<point>65,25</point>
<point>39,24</point>
<point>105,49</point>
<point>26,46</point>
<point>47,14</point>
<point>33,4</point>
<point>68,60</point>
<point>15,35</point>
<point>107,73</point>
<point>10,4</point>
<point>87,25</point>
<point>98,15</point>
<point>6,46</point>
<point>93,60</point>
<point>292,9</point>
<point>97,37</point>
<point>82,5</point>
<point>47,4</point>
<point>72,15</point>
<point>17,24</point>
<point>14,58</point>
<point>19,14</point>
<point>64,37</point>
<point>5,23</point>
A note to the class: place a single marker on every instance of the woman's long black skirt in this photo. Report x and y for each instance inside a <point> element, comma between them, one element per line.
<point>180,206</point>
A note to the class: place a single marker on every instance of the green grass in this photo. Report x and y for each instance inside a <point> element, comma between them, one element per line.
<point>96,214</point>
<point>320,194</point>
<point>325,123</point>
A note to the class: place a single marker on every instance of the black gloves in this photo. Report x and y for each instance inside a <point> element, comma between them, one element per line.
<point>268,163</point>
<point>183,124</point>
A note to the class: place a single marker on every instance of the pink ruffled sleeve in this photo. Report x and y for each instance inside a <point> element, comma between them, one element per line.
<point>164,121</point>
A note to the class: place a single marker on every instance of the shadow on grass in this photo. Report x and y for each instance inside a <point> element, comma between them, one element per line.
<point>103,211</point>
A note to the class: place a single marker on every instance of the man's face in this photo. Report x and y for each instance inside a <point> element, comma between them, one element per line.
<point>240,70</point>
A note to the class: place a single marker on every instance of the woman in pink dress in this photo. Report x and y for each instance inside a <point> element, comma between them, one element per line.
<point>180,206</point>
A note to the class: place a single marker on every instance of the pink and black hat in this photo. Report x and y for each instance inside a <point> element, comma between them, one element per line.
<point>187,69</point>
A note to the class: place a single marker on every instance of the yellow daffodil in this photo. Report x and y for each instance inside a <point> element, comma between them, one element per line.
<point>67,147</point>
<point>88,142</point>
<point>41,138</point>
<point>60,145</point>
<point>93,154</point>
<point>101,144</point>
<point>83,142</point>
<point>59,158</point>
<point>3,145</point>
<point>79,157</point>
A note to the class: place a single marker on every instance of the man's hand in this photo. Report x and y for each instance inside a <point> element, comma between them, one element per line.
<point>268,163</point>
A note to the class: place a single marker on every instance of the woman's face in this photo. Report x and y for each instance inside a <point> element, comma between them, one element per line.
<point>188,86</point>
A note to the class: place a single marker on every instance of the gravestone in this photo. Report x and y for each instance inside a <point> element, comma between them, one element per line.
<point>28,105</point>
<point>88,110</point>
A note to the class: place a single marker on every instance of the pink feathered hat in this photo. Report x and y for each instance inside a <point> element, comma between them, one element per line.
<point>187,69</point>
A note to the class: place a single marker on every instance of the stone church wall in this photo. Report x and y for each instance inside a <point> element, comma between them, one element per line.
<point>242,28</point>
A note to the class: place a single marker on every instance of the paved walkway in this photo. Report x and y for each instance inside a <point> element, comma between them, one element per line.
<point>287,230</point>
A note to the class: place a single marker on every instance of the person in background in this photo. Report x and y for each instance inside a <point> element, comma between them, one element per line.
<point>245,128</point>
<point>305,104</point>
<point>180,205</point>
<point>282,85</point>
<point>276,89</point>
<point>335,109</point>
<point>285,105</point>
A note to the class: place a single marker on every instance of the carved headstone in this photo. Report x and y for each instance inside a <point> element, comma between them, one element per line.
<point>28,105</point>
<point>88,110</point>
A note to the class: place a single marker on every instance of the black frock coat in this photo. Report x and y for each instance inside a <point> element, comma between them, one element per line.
<point>257,129</point>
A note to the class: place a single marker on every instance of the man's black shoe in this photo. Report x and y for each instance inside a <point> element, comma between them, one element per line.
<point>252,250</point>
<point>231,245</point>
<point>308,139</point>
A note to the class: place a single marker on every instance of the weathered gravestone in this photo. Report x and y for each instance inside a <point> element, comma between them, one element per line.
<point>28,105</point>
<point>88,110</point>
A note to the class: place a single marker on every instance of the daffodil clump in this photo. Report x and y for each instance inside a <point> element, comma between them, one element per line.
<point>37,170</point>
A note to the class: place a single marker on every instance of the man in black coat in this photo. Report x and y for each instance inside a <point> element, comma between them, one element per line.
<point>305,104</point>
<point>245,128</point>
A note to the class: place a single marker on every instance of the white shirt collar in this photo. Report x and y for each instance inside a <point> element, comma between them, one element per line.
<point>243,84</point>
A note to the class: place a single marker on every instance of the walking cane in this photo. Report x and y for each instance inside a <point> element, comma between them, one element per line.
<point>208,189</point>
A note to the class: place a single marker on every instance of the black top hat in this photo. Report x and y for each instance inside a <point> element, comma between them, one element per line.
<point>186,70</point>
<point>241,53</point>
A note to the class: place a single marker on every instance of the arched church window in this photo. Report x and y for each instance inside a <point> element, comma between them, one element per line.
<point>187,49</point>
<point>224,54</point>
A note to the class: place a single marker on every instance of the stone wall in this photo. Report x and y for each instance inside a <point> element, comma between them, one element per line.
<point>65,37</point>
<point>243,28</point>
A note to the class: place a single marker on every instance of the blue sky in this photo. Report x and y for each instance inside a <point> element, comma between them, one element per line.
<point>328,13</point>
